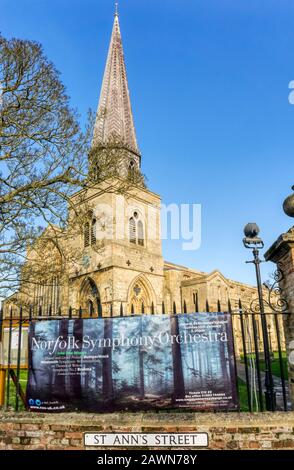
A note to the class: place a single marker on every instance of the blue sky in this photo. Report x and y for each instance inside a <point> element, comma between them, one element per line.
<point>209,88</point>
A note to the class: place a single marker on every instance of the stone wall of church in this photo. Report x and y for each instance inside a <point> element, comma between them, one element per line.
<point>111,264</point>
<point>215,291</point>
<point>118,262</point>
<point>116,286</point>
<point>149,284</point>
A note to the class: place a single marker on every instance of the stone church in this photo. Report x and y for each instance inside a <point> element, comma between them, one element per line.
<point>129,275</point>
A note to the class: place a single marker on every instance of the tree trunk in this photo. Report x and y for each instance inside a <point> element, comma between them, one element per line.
<point>107,362</point>
<point>59,385</point>
<point>179,385</point>
<point>76,380</point>
<point>141,363</point>
<point>223,359</point>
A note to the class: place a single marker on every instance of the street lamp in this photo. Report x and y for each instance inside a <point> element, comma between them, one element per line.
<point>254,242</point>
<point>288,205</point>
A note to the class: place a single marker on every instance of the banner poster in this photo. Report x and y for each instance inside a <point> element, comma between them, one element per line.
<point>132,363</point>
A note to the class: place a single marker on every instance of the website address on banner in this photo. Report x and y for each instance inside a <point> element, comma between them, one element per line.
<point>146,440</point>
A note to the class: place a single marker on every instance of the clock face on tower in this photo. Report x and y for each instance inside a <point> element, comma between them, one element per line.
<point>86,261</point>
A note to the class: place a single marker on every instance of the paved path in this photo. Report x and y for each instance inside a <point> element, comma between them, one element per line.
<point>277,384</point>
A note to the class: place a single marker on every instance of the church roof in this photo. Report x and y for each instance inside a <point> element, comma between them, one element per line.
<point>114,119</point>
<point>168,265</point>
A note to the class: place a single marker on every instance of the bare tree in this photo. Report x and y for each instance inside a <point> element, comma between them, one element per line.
<point>42,152</point>
<point>43,162</point>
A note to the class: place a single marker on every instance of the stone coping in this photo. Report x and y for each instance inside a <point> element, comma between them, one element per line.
<point>148,418</point>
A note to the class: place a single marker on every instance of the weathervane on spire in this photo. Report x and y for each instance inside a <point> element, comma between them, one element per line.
<point>116,9</point>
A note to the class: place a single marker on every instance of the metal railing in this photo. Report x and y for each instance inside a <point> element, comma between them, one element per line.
<point>251,368</point>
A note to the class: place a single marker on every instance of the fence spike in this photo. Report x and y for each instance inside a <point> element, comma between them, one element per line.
<point>9,361</point>
<point>196,302</point>
<point>121,310</point>
<point>18,360</point>
<point>229,306</point>
<point>99,309</point>
<point>1,322</point>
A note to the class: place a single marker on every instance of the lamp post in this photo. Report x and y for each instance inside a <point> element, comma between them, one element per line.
<point>253,242</point>
<point>269,327</point>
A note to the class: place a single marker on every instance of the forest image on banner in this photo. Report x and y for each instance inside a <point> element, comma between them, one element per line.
<point>137,362</point>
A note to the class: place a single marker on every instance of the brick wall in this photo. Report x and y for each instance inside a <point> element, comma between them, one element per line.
<point>30,431</point>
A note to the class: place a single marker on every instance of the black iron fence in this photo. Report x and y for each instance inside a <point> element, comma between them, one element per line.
<point>256,377</point>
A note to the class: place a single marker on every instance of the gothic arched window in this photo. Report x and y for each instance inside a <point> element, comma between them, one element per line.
<point>131,169</point>
<point>87,234</point>
<point>140,233</point>
<point>136,230</point>
<point>93,232</point>
<point>132,230</point>
<point>90,230</point>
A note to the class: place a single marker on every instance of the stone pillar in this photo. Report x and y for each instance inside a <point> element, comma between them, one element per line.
<point>282,253</point>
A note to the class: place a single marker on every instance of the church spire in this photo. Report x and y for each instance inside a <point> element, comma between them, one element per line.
<point>114,120</point>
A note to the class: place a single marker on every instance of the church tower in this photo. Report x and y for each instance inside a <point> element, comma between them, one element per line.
<point>126,273</point>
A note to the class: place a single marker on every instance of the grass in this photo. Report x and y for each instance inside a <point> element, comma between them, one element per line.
<point>242,395</point>
<point>243,398</point>
<point>12,390</point>
<point>275,363</point>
